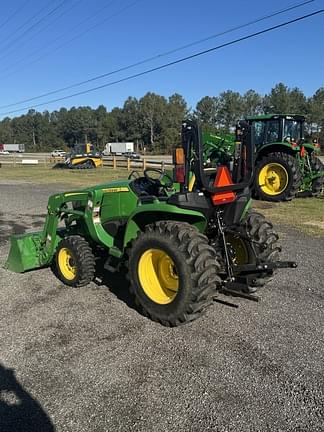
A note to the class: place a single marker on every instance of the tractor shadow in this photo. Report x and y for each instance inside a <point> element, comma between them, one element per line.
<point>18,225</point>
<point>118,284</point>
<point>10,227</point>
<point>19,411</point>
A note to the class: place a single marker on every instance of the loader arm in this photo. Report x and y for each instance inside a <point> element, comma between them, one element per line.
<point>34,250</point>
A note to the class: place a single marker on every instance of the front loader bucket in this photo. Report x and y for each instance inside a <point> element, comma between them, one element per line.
<point>25,252</point>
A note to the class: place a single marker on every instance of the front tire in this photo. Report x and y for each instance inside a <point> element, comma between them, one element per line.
<point>277,177</point>
<point>74,261</point>
<point>173,272</point>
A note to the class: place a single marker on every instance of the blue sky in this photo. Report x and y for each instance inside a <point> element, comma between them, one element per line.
<point>121,32</point>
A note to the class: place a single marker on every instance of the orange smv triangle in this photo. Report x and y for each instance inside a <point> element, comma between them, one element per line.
<point>223,178</point>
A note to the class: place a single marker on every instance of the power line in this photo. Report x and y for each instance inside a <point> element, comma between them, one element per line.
<point>51,12</point>
<point>31,18</point>
<point>62,35</point>
<point>172,63</point>
<point>95,26</point>
<point>133,3</point>
<point>281,11</point>
<point>158,56</point>
<point>80,24</point>
<point>16,11</point>
<point>72,6</point>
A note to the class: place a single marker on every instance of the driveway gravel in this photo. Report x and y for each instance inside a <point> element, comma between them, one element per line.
<point>86,360</point>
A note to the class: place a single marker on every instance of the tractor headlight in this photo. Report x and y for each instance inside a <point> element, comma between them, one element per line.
<point>96,215</point>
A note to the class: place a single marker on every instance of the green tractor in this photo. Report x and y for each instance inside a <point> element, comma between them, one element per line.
<point>183,240</point>
<point>285,164</point>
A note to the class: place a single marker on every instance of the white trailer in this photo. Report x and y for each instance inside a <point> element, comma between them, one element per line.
<point>118,148</point>
<point>13,148</point>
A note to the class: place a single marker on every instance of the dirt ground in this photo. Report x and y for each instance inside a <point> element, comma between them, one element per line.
<point>86,360</point>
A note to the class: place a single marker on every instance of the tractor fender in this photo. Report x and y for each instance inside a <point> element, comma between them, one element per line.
<point>149,213</point>
<point>310,148</point>
<point>283,147</point>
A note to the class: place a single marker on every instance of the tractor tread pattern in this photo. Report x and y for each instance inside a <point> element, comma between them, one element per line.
<point>291,191</point>
<point>265,241</point>
<point>318,183</point>
<point>200,257</point>
<point>85,259</point>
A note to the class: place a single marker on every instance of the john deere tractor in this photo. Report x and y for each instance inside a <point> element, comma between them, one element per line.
<point>183,240</point>
<point>284,163</point>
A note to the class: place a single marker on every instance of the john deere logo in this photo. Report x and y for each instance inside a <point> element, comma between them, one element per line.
<point>116,189</point>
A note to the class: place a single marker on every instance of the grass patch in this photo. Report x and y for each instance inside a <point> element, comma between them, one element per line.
<point>304,214</point>
<point>47,175</point>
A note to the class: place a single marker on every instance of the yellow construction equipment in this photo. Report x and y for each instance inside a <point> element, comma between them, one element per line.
<point>82,156</point>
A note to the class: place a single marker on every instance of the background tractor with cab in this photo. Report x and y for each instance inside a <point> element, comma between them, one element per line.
<point>285,164</point>
<point>182,240</point>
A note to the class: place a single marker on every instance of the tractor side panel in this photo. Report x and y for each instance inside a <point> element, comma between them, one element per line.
<point>118,202</point>
<point>77,161</point>
<point>110,206</point>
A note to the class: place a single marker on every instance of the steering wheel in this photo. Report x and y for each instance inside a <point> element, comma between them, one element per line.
<point>167,180</point>
<point>134,175</point>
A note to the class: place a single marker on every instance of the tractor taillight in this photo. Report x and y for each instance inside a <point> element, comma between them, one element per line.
<point>302,151</point>
<point>223,178</point>
<point>179,156</point>
<point>179,173</point>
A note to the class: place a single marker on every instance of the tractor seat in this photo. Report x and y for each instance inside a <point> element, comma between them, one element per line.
<point>144,189</point>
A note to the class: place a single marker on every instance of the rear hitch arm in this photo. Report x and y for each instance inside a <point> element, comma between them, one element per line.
<point>263,267</point>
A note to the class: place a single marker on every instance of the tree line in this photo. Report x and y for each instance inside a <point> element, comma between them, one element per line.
<point>153,122</point>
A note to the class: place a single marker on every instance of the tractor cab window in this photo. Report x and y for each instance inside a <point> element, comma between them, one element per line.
<point>273,131</point>
<point>292,131</point>
<point>258,128</point>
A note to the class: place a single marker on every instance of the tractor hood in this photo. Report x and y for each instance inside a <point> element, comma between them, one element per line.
<point>111,185</point>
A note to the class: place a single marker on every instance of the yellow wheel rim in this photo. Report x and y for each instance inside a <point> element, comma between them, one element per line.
<point>273,179</point>
<point>158,276</point>
<point>241,254</point>
<point>66,264</point>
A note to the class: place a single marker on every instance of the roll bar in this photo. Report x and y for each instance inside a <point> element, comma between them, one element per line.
<point>242,174</point>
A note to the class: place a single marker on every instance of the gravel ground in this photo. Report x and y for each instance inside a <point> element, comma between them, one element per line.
<point>86,360</point>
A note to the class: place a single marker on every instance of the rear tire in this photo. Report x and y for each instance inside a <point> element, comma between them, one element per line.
<point>318,183</point>
<point>173,272</point>
<point>265,242</point>
<point>74,261</point>
<point>277,177</point>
